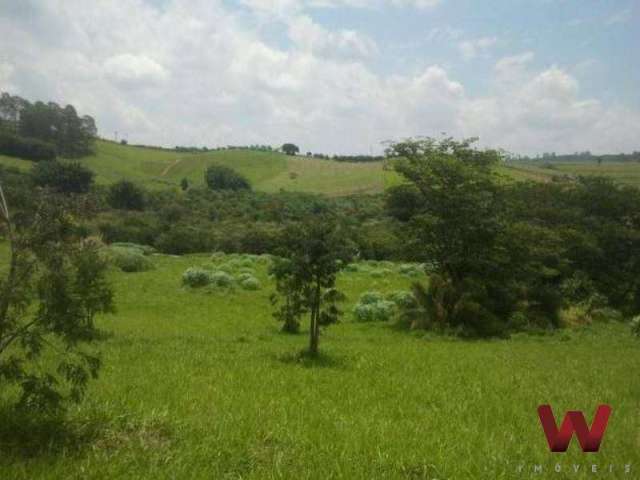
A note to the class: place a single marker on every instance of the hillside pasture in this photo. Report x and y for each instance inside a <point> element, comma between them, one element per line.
<point>200,383</point>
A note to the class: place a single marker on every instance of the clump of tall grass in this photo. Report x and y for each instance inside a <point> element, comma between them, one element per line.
<point>250,283</point>
<point>373,307</point>
<point>196,277</point>
<point>130,257</point>
<point>635,326</point>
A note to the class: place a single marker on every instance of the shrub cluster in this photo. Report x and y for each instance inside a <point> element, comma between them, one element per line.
<point>219,177</point>
<point>635,326</point>
<point>64,177</point>
<point>373,307</point>
<point>131,257</point>
<point>126,195</point>
<point>27,148</point>
<point>227,271</point>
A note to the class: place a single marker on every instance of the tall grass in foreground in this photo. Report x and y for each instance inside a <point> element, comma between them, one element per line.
<point>200,383</point>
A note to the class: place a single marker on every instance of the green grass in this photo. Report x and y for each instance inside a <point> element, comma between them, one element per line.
<point>201,384</point>
<point>267,171</point>
<point>272,171</point>
<point>627,172</point>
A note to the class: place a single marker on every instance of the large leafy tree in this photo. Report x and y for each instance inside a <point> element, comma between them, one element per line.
<point>50,291</point>
<point>290,149</point>
<point>312,254</point>
<point>459,224</point>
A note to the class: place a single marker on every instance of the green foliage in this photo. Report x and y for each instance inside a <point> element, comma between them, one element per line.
<point>368,298</point>
<point>221,279</point>
<point>130,259</point>
<point>49,295</point>
<point>196,277</point>
<point>62,177</point>
<point>635,326</point>
<point>290,149</point>
<point>250,283</point>
<point>373,308</point>
<point>27,148</point>
<point>219,177</point>
<point>484,263</point>
<point>126,195</point>
<point>312,254</point>
<point>410,269</point>
<point>403,299</point>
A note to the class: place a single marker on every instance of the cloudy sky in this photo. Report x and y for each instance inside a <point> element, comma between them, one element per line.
<point>335,76</point>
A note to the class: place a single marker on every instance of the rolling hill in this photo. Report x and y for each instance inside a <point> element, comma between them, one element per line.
<point>267,171</point>
<point>273,171</point>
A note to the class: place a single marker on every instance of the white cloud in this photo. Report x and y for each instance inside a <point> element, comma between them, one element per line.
<point>131,70</point>
<point>197,72</point>
<point>470,49</point>
<point>313,38</point>
<point>621,16</point>
<point>285,7</point>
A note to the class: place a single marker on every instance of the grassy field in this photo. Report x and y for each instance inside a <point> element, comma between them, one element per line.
<point>271,171</point>
<point>627,173</point>
<point>201,384</point>
<point>266,171</point>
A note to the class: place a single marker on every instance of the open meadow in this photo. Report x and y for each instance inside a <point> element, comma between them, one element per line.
<point>267,171</point>
<point>200,383</point>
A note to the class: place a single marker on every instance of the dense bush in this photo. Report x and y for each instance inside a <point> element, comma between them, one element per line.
<point>126,195</point>
<point>221,279</point>
<point>373,307</point>
<point>381,311</point>
<point>27,148</point>
<point>63,177</point>
<point>410,270</point>
<point>403,299</point>
<point>250,283</point>
<point>635,326</point>
<point>219,177</point>
<point>130,259</point>
<point>196,277</point>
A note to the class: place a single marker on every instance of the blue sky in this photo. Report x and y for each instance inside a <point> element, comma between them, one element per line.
<point>335,76</point>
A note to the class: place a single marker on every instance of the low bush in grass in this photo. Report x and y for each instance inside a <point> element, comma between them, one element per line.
<point>221,279</point>
<point>250,283</point>
<point>373,307</point>
<point>410,269</point>
<point>130,259</point>
<point>367,298</point>
<point>380,272</point>
<point>635,326</point>
<point>403,299</point>
<point>196,277</point>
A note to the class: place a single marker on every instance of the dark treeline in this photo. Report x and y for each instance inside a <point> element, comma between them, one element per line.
<point>347,158</point>
<point>40,131</point>
<point>581,157</point>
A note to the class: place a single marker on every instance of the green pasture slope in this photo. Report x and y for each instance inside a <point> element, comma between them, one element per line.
<point>272,171</point>
<point>202,385</point>
<point>267,171</point>
<point>627,173</point>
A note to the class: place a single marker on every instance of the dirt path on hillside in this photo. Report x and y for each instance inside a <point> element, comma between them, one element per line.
<point>169,167</point>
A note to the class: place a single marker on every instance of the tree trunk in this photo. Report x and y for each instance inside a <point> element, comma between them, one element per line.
<point>314,328</point>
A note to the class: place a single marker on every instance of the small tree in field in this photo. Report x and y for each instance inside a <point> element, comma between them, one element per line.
<point>312,254</point>
<point>290,149</point>
<point>49,294</point>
